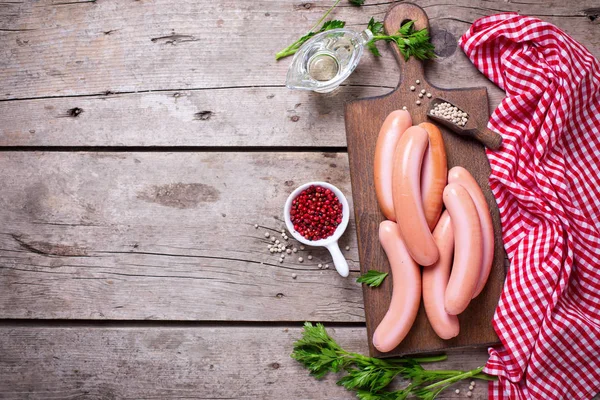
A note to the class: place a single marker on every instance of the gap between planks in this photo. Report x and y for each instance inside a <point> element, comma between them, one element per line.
<point>176,149</point>
<point>103,324</point>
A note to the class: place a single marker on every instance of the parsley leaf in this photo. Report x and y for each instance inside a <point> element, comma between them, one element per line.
<point>372,278</point>
<point>293,48</point>
<point>369,377</point>
<point>376,28</point>
<point>411,43</point>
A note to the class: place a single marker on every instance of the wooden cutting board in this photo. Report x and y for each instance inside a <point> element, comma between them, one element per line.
<point>364,118</point>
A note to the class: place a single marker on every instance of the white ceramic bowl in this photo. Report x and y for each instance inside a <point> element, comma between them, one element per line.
<point>331,242</point>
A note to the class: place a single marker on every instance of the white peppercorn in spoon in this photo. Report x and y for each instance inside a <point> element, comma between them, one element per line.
<point>487,137</point>
<point>331,242</point>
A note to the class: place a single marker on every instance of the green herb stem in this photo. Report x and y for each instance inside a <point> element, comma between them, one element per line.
<point>368,376</point>
<point>324,16</point>
<point>447,382</point>
<point>293,48</point>
<point>431,359</point>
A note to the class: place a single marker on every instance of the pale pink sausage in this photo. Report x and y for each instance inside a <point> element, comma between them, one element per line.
<point>393,127</point>
<point>408,203</point>
<point>435,280</point>
<point>406,293</point>
<point>434,175</point>
<point>468,249</point>
<point>465,179</point>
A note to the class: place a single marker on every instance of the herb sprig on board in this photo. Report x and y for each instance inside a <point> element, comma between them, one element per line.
<point>368,377</point>
<point>372,278</point>
<point>410,42</point>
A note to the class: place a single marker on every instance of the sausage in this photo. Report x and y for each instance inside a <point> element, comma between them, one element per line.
<point>393,127</point>
<point>468,248</point>
<point>465,179</point>
<point>406,293</point>
<point>434,175</point>
<point>435,280</point>
<point>408,204</point>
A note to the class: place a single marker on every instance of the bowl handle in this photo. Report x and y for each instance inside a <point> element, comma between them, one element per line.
<point>341,265</point>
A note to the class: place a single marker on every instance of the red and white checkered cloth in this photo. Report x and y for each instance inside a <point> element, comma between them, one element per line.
<point>546,180</point>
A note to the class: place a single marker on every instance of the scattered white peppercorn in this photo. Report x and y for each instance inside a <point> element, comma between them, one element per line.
<point>412,88</point>
<point>347,248</point>
<point>272,250</point>
<point>283,231</point>
<point>269,246</point>
<point>418,102</point>
<point>429,95</point>
<point>320,266</point>
<point>289,251</point>
<point>457,391</point>
<point>309,257</point>
<point>277,242</point>
<point>302,247</point>
<point>326,266</point>
<point>404,108</point>
<point>423,91</point>
<point>272,238</point>
<point>417,81</point>
<point>300,259</point>
<point>294,276</point>
<point>281,260</point>
<point>255,226</point>
<point>295,250</point>
<point>420,95</point>
<point>283,256</point>
<point>472,383</point>
<point>285,237</point>
<point>469,393</point>
<point>267,234</point>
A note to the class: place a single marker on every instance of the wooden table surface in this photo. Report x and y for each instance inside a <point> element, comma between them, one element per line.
<point>140,143</point>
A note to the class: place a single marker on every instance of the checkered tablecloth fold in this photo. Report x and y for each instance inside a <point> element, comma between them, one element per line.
<point>546,180</point>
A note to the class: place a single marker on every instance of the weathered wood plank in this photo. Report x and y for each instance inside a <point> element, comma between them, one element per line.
<point>177,363</point>
<point>164,236</point>
<point>225,117</point>
<point>100,47</point>
<point>91,47</point>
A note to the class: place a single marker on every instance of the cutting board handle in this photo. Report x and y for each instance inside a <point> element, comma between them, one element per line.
<point>413,68</point>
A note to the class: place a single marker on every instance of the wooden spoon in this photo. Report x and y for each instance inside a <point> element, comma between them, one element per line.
<point>489,138</point>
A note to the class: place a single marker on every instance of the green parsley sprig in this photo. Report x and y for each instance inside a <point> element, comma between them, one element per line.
<point>327,25</point>
<point>372,278</point>
<point>410,42</point>
<point>368,377</point>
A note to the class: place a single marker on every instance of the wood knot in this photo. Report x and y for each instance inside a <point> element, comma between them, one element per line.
<point>445,43</point>
<point>295,118</point>
<point>279,295</point>
<point>203,115</point>
<point>275,365</point>
<point>74,112</point>
<point>304,6</point>
<point>592,13</point>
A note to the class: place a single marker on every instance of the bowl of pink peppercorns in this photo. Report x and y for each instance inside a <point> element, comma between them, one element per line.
<point>317,214</point>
